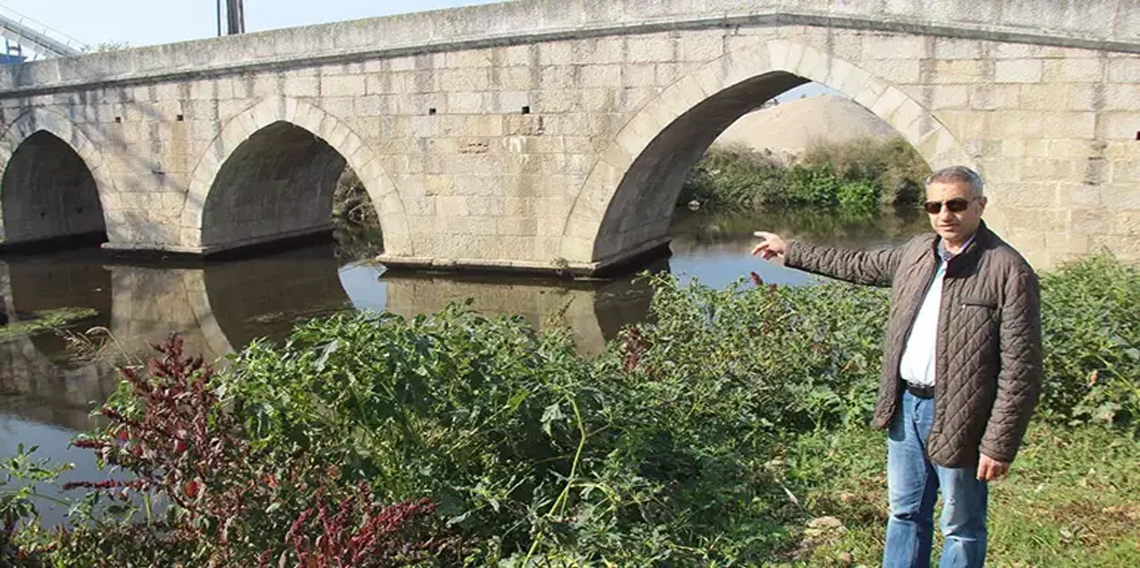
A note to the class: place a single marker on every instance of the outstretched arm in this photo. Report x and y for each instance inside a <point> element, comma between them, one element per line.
<point>876,268</point>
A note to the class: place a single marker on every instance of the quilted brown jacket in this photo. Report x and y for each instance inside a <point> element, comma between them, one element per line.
<point>988,355</point>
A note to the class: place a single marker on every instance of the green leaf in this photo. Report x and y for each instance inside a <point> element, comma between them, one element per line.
<point>549,415</point>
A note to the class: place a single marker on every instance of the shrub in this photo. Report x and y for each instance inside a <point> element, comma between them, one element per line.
<point>227,504</point>
<point>660,451</point>
<point>859,175</point>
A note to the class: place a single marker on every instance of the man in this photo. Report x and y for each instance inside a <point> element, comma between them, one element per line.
<point>961,369</point>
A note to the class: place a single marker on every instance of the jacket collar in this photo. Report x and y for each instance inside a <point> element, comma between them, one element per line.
<point>980,241</point>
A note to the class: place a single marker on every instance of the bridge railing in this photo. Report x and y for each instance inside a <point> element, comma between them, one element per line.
<point>37,37</point>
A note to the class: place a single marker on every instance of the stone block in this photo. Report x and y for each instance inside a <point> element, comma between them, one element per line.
<point>556,53</point>
<point>469,225</point>
<point>1014,51</point>
<point>601,76</point>
<point>599,51</point>
<point>295,86</point>
<point>519,55</point>
<point>1072,71</point>
<point>1079,196</point>
<point>947,48</point>
<point>1016,124</point>
<point>957,71</point>
<point>517,79</point>
<point>560,78</point>
<point>470,80</point>
<point>894,47</point>
<point>343,86</point>
<point>651,49</point>
<point>1120,125</point>
<point>1122,196</point>
<point>1125,223</point>
<point>894,71</point>
<point>639,75</point>
<point>1125,247</point>
<point>1048,169</point>
<point>467,59</point>
<point>1124,69</point>
<point>1124,96</point>
<point>950,97</point>
<point>701,46</point>
<point>667,73</point>
<point>486,206</point>
<point>466,103</point>
<point>507,102</point>
<point>1069,124</point>
<point>1019,71</point>
<point>1126,172</point>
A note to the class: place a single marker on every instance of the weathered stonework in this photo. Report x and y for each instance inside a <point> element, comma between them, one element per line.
<point>564,145</point>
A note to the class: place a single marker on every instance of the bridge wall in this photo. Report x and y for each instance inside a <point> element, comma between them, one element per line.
<point>563,146</point>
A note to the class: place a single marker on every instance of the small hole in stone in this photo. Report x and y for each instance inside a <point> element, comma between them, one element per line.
<point>118,119</point>
<point>179,118</point>
<point>431,112</point>
<point>526,110</point>
<point>79,209</point>
<point>1138,134</point>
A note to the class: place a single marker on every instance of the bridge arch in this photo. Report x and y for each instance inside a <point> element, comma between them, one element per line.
<point>301,148</point>
<point>626,204</point>
<point>54,180</point>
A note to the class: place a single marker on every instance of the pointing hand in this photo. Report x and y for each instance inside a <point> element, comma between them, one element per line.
<point>772,245</point>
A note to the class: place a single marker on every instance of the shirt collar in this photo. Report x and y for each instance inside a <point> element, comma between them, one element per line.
<point>945,254</point>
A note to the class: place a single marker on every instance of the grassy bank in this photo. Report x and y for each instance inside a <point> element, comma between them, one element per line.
<point>860,175</point>
<point>724,433</point>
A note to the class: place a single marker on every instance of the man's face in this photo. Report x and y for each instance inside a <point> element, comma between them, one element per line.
<point>955,227</point>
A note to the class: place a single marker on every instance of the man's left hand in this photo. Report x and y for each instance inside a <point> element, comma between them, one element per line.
<point>990,469</point>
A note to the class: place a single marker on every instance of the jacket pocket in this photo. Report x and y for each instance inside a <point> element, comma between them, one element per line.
<point>976,302</point>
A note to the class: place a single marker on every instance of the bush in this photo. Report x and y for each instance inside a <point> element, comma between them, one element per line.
<point>1091,326</point>
<point>661,451</point>
<point>857,176</point>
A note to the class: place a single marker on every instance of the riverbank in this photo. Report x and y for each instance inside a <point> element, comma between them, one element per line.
<point>727,431</point>
<point>858,176</point>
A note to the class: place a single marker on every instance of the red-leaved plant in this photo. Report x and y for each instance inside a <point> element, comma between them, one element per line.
<point>362,534</point>
<point>231,505</point>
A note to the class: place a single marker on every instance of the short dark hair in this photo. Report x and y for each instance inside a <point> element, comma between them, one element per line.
<point>960,174</point>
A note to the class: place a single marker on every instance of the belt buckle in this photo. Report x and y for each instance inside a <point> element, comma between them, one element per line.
<point>920,391</point>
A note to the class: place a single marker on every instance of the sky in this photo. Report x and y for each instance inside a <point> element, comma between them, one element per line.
<point>148,22</point>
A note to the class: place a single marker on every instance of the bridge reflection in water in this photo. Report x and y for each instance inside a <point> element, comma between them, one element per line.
<point>220,307</point>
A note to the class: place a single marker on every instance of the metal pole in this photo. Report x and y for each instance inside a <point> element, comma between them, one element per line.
<point>235,16</point>
<point>219,18</point>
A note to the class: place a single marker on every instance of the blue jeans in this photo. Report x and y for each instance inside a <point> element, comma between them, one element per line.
<point>914,481</point>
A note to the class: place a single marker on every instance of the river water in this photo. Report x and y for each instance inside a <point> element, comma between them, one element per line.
<point>49,383</point>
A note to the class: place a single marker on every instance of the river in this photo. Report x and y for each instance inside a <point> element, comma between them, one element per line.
<point>49,383</point>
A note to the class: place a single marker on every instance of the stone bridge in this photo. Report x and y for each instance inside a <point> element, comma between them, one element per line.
<point>555,134</point>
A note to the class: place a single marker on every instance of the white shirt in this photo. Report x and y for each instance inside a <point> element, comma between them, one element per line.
<point>919,359</point>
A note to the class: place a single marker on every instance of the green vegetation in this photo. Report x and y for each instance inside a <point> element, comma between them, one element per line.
<point>860,175</point>
<point>47,320</point>
<point>356,224</point>
<point>724,433</point>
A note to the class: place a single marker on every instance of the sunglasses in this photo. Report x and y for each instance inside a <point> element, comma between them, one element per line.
<point>956,205</point>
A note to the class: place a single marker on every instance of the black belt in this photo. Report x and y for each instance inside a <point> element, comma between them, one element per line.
<point>920,391</point>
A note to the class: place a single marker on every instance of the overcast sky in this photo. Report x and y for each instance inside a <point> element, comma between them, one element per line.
<point>147,22</point>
